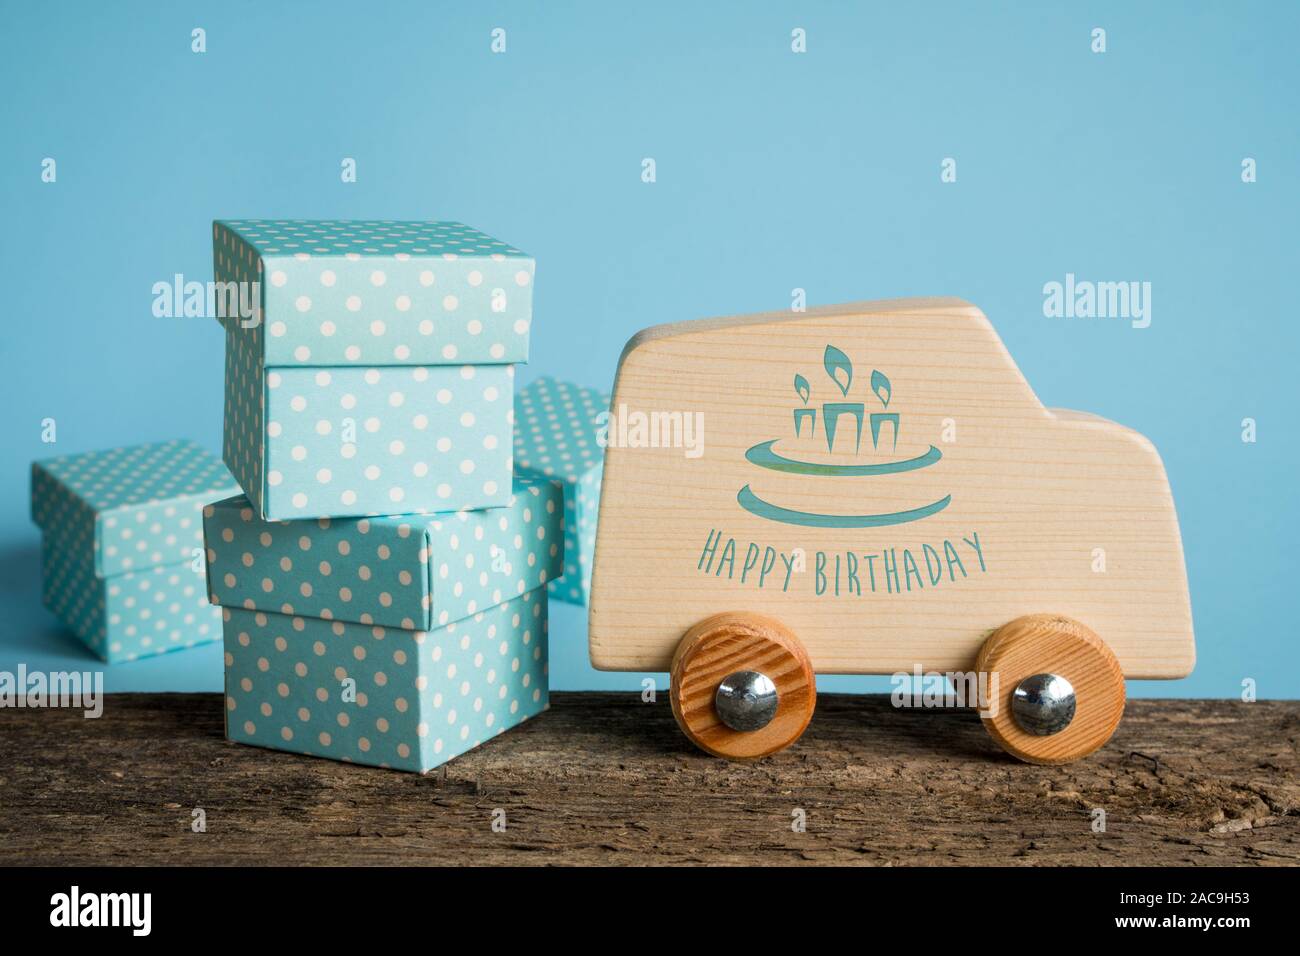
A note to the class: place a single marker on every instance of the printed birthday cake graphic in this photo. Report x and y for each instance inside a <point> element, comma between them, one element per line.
<point>844,424</point>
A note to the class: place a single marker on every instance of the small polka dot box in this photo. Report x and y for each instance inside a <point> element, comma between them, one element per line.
<point>369,365</point>
<point>557,427</point>
<point>398,641</point>
<point>122,535</point>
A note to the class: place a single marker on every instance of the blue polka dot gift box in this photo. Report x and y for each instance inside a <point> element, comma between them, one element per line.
<point>121,545</point>
<point>556,436</point>
<point>398,641</point>
<point>369,365</point>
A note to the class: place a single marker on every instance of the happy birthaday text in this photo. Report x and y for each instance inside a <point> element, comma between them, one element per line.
<point>895,570</point>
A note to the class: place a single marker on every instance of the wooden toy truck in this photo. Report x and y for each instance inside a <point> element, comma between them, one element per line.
<point>874,488</point>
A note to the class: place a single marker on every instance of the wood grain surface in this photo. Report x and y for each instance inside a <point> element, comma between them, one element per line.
<point>1049,643</point>
<point>1039,510</point>
<point>722,645</point>
<point>607,779</point>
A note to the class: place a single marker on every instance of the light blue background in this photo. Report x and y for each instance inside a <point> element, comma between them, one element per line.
<point>775,171</point>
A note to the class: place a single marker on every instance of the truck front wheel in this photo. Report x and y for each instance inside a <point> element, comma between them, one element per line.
<point>1055,689</point>
<point>742,686</point>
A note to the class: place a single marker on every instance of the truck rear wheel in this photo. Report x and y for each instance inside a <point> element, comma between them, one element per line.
<point>1056,691</point>
<point>742,686</point>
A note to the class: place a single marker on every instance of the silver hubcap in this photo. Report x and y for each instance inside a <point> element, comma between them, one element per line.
<point>746,700</point>
<point>1043,704</point>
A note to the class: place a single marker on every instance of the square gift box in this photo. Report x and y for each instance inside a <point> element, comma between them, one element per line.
<point>398,641</point>
<point>369,365</point>
<point>557,427</point>
<point>121,545</point>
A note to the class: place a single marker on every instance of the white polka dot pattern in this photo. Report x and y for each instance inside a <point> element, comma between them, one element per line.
<point>389,698</point>
<point>129,508</point>
<point>129,616</point>
<point>361,293</point>
<point>404,571</point>
<point>345,442</point>
<point>383,440</point>
<point>120,529</point>
<point>244,438</point>
<point>556,425</point>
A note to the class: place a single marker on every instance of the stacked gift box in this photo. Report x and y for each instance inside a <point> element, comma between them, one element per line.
<point>381,538</point>
<point>383,577</point>
<point>378,376</point>
<point>121,546</point>
<point>400,640</point>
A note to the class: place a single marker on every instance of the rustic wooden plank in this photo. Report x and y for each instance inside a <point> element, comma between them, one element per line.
<point>605,778</point>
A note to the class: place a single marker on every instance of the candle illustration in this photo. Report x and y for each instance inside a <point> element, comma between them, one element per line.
<point>804,414</point>
<point>880,385</point>
<point>840,370</point>
<point>767,456</point>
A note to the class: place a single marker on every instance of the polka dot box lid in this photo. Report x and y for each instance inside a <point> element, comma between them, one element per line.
<point>409,571</point>
<point>369,292</point>
<point>135,507</point>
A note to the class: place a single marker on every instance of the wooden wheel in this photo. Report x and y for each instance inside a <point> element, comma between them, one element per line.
<point>1034,714</point>
<point>742,686</point>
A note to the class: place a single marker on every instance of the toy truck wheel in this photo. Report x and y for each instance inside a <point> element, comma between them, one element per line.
<point>742,686</point>
<point>1056,690</point>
